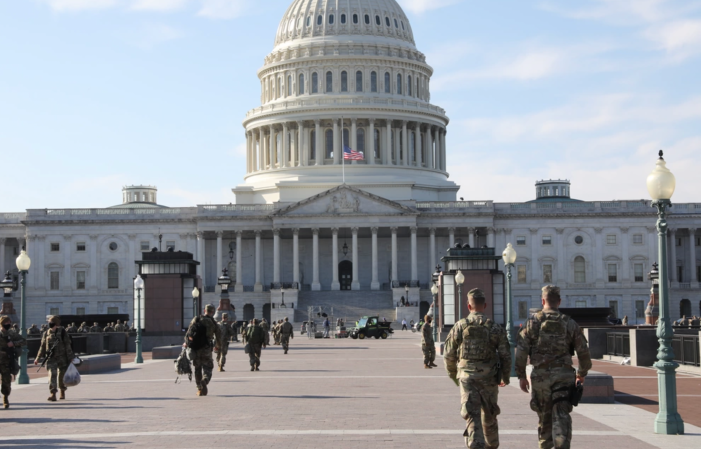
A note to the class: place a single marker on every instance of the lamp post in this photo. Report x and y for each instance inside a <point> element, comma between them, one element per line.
<point>459,279</point>
<point>282,292</point>
<point>660,185</point>
<point>8,284</point>
<point>23,263</point>
<point>434,292</point>
<point>509,255</point>
<point>224,281</point>
<point>195,296</point>
<point>138,286</point>
<point>406,292</point>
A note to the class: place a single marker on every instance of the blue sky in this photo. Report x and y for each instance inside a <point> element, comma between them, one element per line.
<point>96,94</point>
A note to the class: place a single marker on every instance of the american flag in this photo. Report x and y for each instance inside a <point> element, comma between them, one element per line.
<point>351,154</point>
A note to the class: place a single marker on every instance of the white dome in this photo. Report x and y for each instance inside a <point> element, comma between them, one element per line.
<point>355,20</point>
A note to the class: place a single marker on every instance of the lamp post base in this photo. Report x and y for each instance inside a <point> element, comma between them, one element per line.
<point>667,422</point>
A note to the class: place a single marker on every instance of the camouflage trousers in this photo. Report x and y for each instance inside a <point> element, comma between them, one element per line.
<point>254,355</point>
<point>221,355</point>
<point>554,421</point>
<point>285,340</point>
<point>203,363</point>
<point>429,353</point>
<point>480,410</point>
<point>6,379</point>
<point>56,372</point>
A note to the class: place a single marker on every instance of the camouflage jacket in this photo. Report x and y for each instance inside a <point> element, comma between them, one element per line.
<point>72,330</point>
<point>33,331</point>
<point>226,333</point>
<point>95,329</point>
<point>213,331</point>
<point>255,335</point>
<point>287,328</point>
<point>498,363</point>
<point>58,338</point>
<point>551,350</point>
<point>120,328</point>
<point>427,335</point>
<point>16,339</point>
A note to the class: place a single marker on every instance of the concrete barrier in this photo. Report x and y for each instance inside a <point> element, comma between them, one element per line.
<point>166,352</point>
<point>597,341</point>
<point>100,363</point>
<point>598,389</point>
<point>95,342</point>
<point>643,346</point>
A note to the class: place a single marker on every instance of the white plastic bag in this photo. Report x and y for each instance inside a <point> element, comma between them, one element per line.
<point>72,376</point>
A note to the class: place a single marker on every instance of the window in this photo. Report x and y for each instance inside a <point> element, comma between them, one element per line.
<point>638,239</point>
<point>698,241</point>
<point>344,81</point>
<point>145,246</point>
<point>612,272</point>
<point>547,274</point>
<point>698,273</point>
<point>112,275</point>
<point>346,137</point>
<point>80,247</point>
<point>580,274</point>
<point>521,277</point>
<point>373,82</point>
<point>680,274</point>
<point>396,24</point>
<point>388,86</point>
<point>611,239</point>
<point>315,83</point>
<point>376,147</point>
<point>330,19</point>
<point>289,85</point>
<point>300,86</point>
<point>329,144</point>
<point>387,21</point>
<point>579,240</point>
<point>408,85</point>
<point>113,246</point>
<point>679,241</point>
<point>523,310</point>
<point>547,240</point>
<point>309,20</point>
<point>360,138</point>
<point>329,82</point>
<point>638,272</point>
<point>170,244</point>
<point>80,280</point>
<point>54,285</point>
<point>113,310</point>
<point>343,18</point>
<point>377,20</point>
<point>55,247</point>
<point>319,20</point>
<point>53,310</point>
<point>358,81</point>
<point>521,240</point>
<point>80,311</point>
<point>355,18</point>
<point>614,308</point>
<point>403,25</point>
<point>639,309</point>
<point>580,303</point>
<point>367,19</point>
<point>312,145</point>
<point>399,84</point>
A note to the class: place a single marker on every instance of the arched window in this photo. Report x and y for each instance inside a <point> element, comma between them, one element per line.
<point>387,21</point>
<point>113,275</point>
<point>309,20</point>
<point>408,85</point>
<point>685,308</point>
<point>403,25</point>
<point>279,87</point>
<point>344,81</point>
<point>388,84</point>
<point>399,84</point>
<point>377,20</point>
<point>319,20</point>
<point>412,151</point>
<point>376,144</point>
<point>373,82</point>
<point>300,86</point>
<point>418,93</point>
<point>396,25</point>
<point>358,81</point>
<point>355,19</point>
<point>329,82</point>
<point>315,83</point>
<point>346,138</point>
<point>312,145</point>
<point>360,138</point>
<point>330,19</point>
<point>329,144</point>
<point>248,312</point>
<point>580,270</point>
<point>289,85</point>
<point>367,19</point>
<point>343,18</point>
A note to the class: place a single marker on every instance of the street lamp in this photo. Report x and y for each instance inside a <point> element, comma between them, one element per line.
<point>459,279</point>
<point>509,255</point>
<point>195,296</point>
<point>224,281</point>
<point>138,286</point>
<point>434,292</point>
<point>8,284</point>
<point>406,292</point>
<point>23,263</point>
<point>660,185</point>
<point>282,292</point>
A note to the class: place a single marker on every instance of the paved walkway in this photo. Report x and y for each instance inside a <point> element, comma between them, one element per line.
<point>336,393</point>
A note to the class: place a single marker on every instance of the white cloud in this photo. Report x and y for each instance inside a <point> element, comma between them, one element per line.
<point>80,5</point>
<point>158,5</point>
<point>680,39</point>
<point>421,6</point>
<point>224,9</point>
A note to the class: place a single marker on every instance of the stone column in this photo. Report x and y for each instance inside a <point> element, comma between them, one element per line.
<point>239,263</point>
<point>536,278</point>
<point>354,136</point>
<point>625,263</point>
<point>397,146</point>
<point>429,138</point>
<point>316,286</point>
<point>431,250</point>
<point>414,256</point>
<point>394,254</point>
<point>131,263</point>
<point>490,237</point>
<point>451,237</point>
<point>336,146</point>
<point>261,150</point>
<point>283,156</point>
<point>692,257</point>
<point>320,151</point>
<point>417,146</point>
<point>276,255</point>
<point>93,264</point>
<point>471,237</point>
<point>375,284</point>
<point>295,255</point>
<point>370,144</point>
<point>599,258</point>
<point>258,286</point>
<point>355,284</point>
<point>67,284</point>
<point>220,235</point>
<point>335,285</point>
<point>405,144</point>
<point>200,253</point>
<point>272,143</point>
<point>673,255</point>
<point>561,262</point>
<point>2,257</point>
<point>387,153</point>
<point>443,149</point>
<point>302,150</point>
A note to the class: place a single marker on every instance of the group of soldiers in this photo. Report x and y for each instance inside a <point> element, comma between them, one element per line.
<point>83,329</point>
<point>691,322</point>
<point>477,357</point>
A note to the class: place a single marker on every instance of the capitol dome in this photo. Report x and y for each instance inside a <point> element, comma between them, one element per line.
<point>345,74</point>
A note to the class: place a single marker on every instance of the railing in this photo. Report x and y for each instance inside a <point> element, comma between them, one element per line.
<point>618,344</point>
<point>686,349</point>
<point>298,104</point>
<point>452,204</point>
<point>401,284</point>
<point>284,285</point>
<point>237,208</point>
<point>109,213</point>
<point>685,285</point>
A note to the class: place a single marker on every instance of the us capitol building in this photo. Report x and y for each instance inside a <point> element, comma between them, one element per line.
<point>349,74</point>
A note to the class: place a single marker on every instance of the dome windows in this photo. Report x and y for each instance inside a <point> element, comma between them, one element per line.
<point>367,19</point>
<point>399,84</point>
<point>309,21</point>
<point>344,81</point>
<point>358,81</point>
<point>378,20</point>
<point>373,82</point>
<point>408,85</point>
<point>388,84</point>
<point>315,83</point>
<point>343,18</point>
<point>355,19</point>
<point>329,82</point>
<point>396,24</point>
<point>300,86</point>
<point>387,21</point>
<point>319,20</point>
<point>331,18</point>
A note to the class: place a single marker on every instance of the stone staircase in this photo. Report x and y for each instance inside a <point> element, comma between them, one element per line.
<point>350,305</point>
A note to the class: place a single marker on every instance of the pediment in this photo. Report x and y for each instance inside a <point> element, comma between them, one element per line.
<point>345,200</point>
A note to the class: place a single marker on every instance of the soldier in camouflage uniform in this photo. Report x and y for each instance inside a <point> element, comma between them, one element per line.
<point>108,328</point>
<point>226,332</point>
<point>33,330</point>
<point>548,339</point>
<point>286,332</point>
<point>255,336</point>
<point>95,328</point>
<point>72,329</point>
<point>8,339</point>
<point>478,359</point>
<point>83,329</point>
<point>202,357</point>
<point>57,342</point>
<point>120,327</point>
<point>428,346</point>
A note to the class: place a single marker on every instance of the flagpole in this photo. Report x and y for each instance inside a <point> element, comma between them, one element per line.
<point>343,153</point>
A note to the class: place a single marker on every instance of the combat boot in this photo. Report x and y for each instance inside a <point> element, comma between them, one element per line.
<point>52,398</point>
<point>257,365</point>
<point>253,368</point>
<point>285,351</point>
<point>5,401</point>
<point>62,395</point>
<point>221,369</point>
<point>204,391</point>
<point>426,366</point>
<point>433,365</point>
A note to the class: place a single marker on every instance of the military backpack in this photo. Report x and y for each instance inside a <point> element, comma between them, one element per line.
<point>552,334</point>
<point>476,342</point>
<point>198,335</point>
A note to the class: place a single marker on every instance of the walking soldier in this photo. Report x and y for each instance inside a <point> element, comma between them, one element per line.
<point>203,334</point>
<point>286,332</point>
<point>226,332</point>
<point>10,348</point>
<point>56,347</point>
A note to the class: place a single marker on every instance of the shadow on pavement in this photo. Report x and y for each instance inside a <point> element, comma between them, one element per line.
<point>77,444</point>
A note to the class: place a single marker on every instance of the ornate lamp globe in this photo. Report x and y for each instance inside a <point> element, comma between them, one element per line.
<point>23,261</point>
<point>509,255</point>
<point>459,278</point>
<point>661,182</point>
<point>434,290</point>
<point>138,282</point>
<point>195,292</point>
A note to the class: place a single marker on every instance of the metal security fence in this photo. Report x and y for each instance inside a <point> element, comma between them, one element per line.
<point>618,344</point>
<point>686,349</point>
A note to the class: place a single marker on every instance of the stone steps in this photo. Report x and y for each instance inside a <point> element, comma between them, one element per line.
<point>350,305</point>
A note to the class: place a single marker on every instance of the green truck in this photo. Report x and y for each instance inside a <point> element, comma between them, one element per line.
<point>371,326</point>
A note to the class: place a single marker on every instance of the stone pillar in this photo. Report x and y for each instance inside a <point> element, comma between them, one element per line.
<point>272,143</point>
<point>490,238</point>
<point>599,258</point>
<point>261,150</point>
<point>405,144</point>
<point>417,146</point>
<point>239,263</point>
<point>283,156</point>
<point>302,150</point>
<point>432,251</point>
<point>258,286</point>
<point>387,153</point>
<point>316,286</point>
<point>672,255</point>
<point>394,254</point>
<point>335,285</point>
<point>625,263</point>
<point>537,277</point>
<point>355,284</point>
<point>414,256</point>
<point>692,258</point>
<point>451,237</point>
<point>220,235</point>
<point>336,146</point>
<point>562,264</point>
<point>94,269</point>
<point>295,255</point>
<point>67,283</point>
<point>375,284</point>
<point>471,237</point>
<point>131,263</point>
<point>370,143</point>
<point>200,253</point>
<point>429,138</point>
<point>354,139</point>
<point>276,255</point>
<point>443,149</point>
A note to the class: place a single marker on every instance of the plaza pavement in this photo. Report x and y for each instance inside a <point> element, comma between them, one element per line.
<point>324,393</point>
